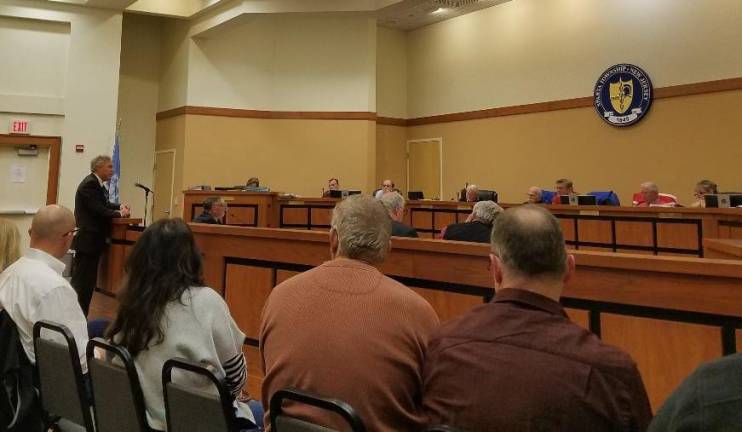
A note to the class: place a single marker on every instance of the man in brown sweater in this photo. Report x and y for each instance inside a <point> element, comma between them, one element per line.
<point>346,331</point>
<point>518,363</point>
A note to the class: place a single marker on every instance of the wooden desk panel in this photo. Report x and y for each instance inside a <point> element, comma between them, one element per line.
<point>305,213</point>
<point>723,248</point>
<point>666,352</point>
<point>247,289</point>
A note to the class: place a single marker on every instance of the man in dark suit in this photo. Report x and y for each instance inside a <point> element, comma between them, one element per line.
<point>478,226</point>
<point>394,203</point>
<point>93,213</point>
<point>214,210</point>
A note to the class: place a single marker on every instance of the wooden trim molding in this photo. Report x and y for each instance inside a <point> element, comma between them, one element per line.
<point>729,84</point>
<point>272,115</point>
<point>391,121</point>
<point>55,156</point>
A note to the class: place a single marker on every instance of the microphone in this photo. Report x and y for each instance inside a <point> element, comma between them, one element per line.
<point>141,186</point>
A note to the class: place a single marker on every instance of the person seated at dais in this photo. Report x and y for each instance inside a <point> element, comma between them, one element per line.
<point>478,225</point>
<point>395,203</point>
<point>214,210</point>
<point>563,187</point>
<point>650,196</point>
<point>332,184</point>
<point>386,186</point>
<point>703,188</point>
<point>534,195</point>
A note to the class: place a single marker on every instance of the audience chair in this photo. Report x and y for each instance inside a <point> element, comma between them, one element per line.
<point>606,198</point>
<point>281,422</point>
<point>62,388</point>
<point>547,196</point>
<point>188,409</point>
<point>117,394</point>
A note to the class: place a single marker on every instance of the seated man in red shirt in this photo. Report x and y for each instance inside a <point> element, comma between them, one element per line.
<point>563,187</point>
<point>651,197</point>
<point>518,363</point>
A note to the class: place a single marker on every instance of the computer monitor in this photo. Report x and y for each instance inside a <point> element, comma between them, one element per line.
<point>353,192</point>
<point>578,199</point>
<point>415,195</point>
<point>723,200</point>
<point>487,195</point>
<point>335,193</point>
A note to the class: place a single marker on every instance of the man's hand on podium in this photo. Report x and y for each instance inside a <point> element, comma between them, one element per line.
<point>125,210</point>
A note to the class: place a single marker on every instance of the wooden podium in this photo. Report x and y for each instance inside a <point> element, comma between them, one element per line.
<point>124,233</point>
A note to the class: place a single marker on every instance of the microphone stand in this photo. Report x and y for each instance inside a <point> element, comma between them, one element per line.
<point>146,200</point>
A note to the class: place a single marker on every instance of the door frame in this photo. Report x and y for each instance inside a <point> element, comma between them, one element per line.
<point>172,183</point>
<point>440,150</point>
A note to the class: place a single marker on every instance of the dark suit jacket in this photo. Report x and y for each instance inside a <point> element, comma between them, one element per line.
<point>93,214</point>
<point>469,231</point>
<point>401,230</point>
<point>206,218</point>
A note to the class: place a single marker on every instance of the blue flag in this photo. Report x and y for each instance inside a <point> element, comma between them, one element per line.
<point>113,185</point>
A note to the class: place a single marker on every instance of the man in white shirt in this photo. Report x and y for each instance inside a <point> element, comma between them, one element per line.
<point>33,289</point>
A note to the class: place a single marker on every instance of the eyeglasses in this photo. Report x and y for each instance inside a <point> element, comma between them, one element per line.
<point>72,232</point>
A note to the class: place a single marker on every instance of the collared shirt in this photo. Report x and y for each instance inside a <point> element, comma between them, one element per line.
<point>100,182</point>
<point>520,364</point>
<point>33,289</point>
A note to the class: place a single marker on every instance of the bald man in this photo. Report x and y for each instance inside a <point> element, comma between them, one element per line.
<point>33,288</point>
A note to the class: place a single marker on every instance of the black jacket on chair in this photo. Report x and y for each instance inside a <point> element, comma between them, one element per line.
<point>93,214</point>
<point>469,231</point>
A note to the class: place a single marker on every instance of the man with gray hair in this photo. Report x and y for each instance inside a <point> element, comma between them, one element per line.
<point>522,354</point>
<point>345,330</point>
<point>93,212</point>
<point>394,203</point>
<point>650,196</point>
<point>478,225</point>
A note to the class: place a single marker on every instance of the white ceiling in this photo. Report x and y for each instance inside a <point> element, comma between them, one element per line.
<point>399,14</point>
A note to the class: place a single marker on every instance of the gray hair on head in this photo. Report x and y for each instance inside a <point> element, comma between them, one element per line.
<point>392,201</point>
<point>98,162</point>
<point>650,186</point>
<point>486,211</point>
<point>529,241</point>
<point>363,227</point>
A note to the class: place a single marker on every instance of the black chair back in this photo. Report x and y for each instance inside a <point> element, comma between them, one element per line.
<point>281,422</point>
<point>59,375</point>
<point>189,409</point>
<point>117,394</point>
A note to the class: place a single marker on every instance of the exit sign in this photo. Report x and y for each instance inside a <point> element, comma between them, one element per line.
<point>20,127</point>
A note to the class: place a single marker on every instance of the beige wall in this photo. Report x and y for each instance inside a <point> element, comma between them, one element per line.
<point>137,105</point>
<point>391,73</point>
<point>525,51</point>
<point>391,155</point>
<point>60,71</point>
<point>171,135</point>
<point>294,156</point>
<point>681,141</point>
<point>286,62</point>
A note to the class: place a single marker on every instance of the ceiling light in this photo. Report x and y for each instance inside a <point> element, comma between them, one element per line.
<point>440,10</point>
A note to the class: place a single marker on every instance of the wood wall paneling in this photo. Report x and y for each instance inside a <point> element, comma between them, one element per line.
<point>254,371</point>
<point>448,305</point>
<point>295,215</point>
<point>443,219</point>
<point>579,317</point>
<point>241,216</point>
<point>283,275</point>
<point>666,352</point>
<point>676,235</point>
<point>247,290</point>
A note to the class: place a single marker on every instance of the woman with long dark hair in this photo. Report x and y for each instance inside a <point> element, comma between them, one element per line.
<point>165,311</point>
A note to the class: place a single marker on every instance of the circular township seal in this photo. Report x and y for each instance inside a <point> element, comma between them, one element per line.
<point>623,94</point>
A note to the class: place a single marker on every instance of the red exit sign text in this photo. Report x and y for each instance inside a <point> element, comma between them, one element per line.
<point>19,127</point>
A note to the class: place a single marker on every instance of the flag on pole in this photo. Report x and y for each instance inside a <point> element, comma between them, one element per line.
<point>113,185</point>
